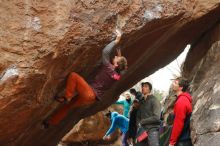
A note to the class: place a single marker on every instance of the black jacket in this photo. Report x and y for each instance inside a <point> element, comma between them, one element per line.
<point>132,123</point>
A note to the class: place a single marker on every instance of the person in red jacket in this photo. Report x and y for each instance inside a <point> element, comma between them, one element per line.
<point>180,135</point>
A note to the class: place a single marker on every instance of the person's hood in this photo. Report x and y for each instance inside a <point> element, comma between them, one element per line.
<point>186,95</point>
<point>114,114</point>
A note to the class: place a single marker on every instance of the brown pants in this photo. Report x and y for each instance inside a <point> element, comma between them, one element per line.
<point>85,96</point>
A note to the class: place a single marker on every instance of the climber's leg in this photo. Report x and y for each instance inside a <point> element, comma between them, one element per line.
<point>85,98</point>
<point>74,83</point>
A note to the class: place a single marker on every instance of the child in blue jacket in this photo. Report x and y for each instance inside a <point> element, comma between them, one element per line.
<point>118,121</point>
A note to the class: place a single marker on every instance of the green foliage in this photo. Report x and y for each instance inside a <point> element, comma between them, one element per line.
<point>159,94</point>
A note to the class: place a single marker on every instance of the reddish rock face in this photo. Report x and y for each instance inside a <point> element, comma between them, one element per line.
<point>43,41</point>
<point>90,130</point>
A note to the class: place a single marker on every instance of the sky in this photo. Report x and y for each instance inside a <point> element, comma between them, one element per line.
<point>161,79</point>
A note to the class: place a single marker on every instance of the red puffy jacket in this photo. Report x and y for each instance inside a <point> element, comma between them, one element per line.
<point>182,109</point>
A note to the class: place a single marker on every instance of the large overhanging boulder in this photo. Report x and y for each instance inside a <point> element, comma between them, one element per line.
<point>43,41</point>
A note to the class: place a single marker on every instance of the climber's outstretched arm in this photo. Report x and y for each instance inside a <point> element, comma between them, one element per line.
<point>108,49</point>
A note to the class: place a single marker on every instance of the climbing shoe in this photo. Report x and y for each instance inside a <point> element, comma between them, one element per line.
<point>45,125</point>
<point>60,99</point>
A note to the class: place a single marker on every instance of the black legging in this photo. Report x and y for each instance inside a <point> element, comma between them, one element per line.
<point>184,143</point>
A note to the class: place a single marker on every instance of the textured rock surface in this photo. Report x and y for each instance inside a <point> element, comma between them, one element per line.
<point>42,41</point>
<point>90,131</point>
<point>205,75</point>
<point>91,128</point>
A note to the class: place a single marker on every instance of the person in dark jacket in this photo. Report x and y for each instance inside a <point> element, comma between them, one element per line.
<point>180,135</point>
<point>88,93</point>
<point>136,94</point>
<point>148,116</point>
<point>132,130</point>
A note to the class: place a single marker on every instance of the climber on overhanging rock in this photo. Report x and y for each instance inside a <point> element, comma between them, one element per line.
<point>90,92</point>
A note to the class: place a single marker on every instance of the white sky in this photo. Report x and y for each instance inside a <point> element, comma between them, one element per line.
<point>161,79</point>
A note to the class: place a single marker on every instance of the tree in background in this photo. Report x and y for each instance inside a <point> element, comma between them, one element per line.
<point>159,94</point>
